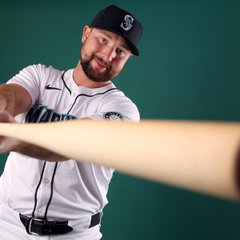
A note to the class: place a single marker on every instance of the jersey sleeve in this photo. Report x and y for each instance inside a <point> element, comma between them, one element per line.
<point>31,79</point>
<point>117,107</point>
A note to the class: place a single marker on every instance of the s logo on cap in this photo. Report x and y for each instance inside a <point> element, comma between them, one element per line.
<point>127,24</point>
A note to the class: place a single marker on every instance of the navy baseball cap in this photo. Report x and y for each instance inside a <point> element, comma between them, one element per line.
<point>121,22</point>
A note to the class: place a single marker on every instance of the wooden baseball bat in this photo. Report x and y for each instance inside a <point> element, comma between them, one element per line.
<point>196,155</point>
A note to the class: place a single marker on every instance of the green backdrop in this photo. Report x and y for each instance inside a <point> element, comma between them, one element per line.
<point>188,69</point>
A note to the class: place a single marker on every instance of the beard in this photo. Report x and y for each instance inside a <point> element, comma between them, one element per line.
<point>93,74</point>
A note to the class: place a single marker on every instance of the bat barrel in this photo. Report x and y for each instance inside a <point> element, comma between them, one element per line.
<point>200,156</point>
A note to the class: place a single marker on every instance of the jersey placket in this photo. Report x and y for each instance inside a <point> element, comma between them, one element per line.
<point>44,190</point>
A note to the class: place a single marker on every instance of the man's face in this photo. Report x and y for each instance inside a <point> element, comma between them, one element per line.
<point>103,54</point>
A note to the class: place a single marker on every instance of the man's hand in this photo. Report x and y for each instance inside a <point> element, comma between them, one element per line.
<point>6,143</point>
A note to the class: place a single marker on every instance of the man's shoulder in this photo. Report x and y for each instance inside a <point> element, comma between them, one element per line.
<point>44,68</point>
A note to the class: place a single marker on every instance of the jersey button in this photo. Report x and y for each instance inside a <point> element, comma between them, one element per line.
<point>46,180</point>
<point>40,210</point>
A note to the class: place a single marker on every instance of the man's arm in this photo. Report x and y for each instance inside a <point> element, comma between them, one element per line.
<point>14,100</point>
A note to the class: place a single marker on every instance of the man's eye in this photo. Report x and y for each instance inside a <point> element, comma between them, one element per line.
<point>103,40</point>
<point>121,52</point>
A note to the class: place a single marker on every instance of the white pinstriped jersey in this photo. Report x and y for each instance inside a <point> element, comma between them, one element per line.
<point>80,189</point>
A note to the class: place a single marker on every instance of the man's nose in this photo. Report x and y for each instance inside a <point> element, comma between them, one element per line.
<point>109,53</point>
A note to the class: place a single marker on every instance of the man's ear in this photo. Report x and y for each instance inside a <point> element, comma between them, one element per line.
<point>85,33</point>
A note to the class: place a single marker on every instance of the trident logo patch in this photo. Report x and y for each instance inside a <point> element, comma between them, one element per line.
<point>128,23</point>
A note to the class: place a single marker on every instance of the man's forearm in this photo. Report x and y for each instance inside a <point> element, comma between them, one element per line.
<point>7,99</point>
<point>14,99</point>
<point>38,152</point>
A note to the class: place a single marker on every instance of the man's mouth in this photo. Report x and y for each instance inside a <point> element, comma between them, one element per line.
<point>101,63</point>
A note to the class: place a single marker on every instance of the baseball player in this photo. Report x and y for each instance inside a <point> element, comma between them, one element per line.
<point>44,195</point>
